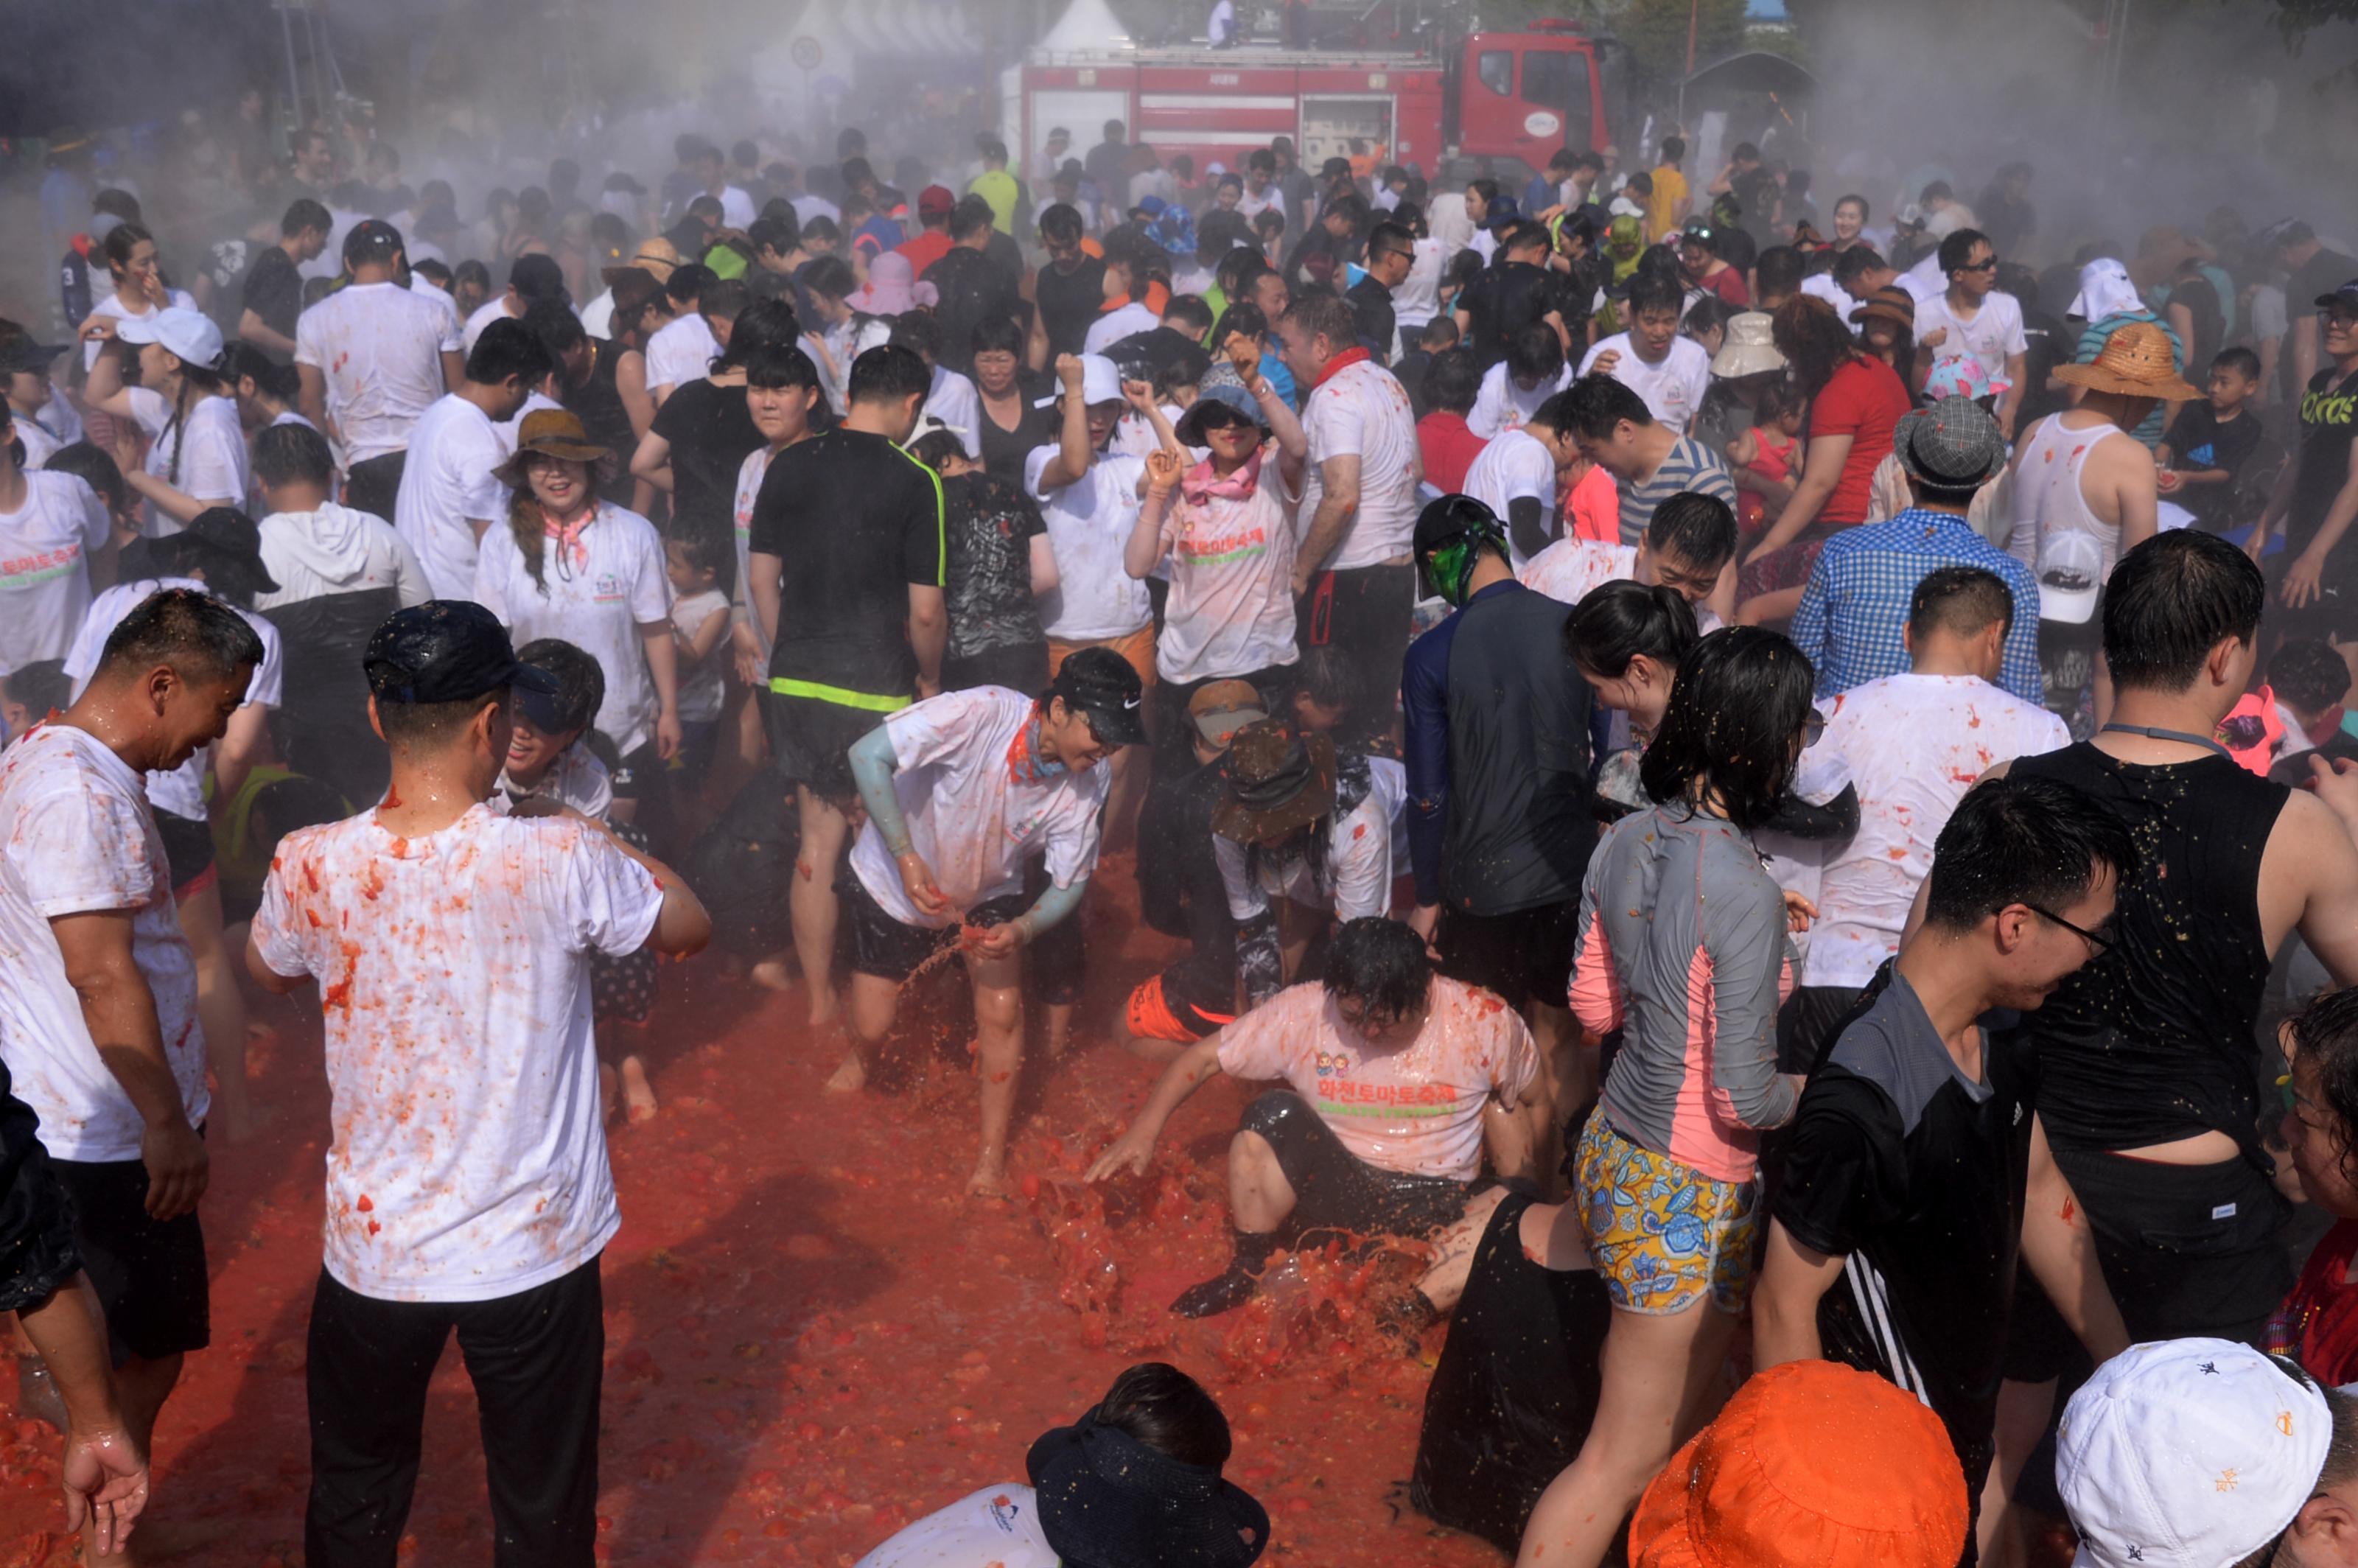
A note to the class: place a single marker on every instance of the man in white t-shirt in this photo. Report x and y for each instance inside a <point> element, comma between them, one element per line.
<point>962,790</point>
<point>1397,1078</point>
<point>52,525</point>
<point>709,172</point>
<point>373,357</point>
<point>1653,359</point>
<point>1911,744</point>
<point>531,279</point>
<point>1353,576</point>
<point>683,348</point>
<point>1516,477</point>
<point>1972,319</point>
<point>98,1020</point>
<point>467,1185</point>
<point>449,496</point>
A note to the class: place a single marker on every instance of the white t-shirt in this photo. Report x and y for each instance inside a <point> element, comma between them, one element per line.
<point>1925,279</point>
<point>468,1160</point>
<point>380,348</point>
<point>736,210</point>
<point>1672,390</point>
<point>45,550</point>
<point>445,488</point>
<point>1503,405</point>
<point>495,309</point>
<point>1569,569</point>
<point>1416,298</point>
<point>1231,563</point>
<point>955,403</point>
<point>1515,465</point>
<point>969,815</point>
<point>424,289</point>
<point>1088,523</point>
<point>181,791</point>
<point>511,429</point>
<point>577,778</point>
<point>1913,745</point>
<point>598,315</point>
<point>807,206</point>
<point>114,309</point>
<point>1821,286</point>
<point>1994,332</point>
<point>39,445</point>
<point>1358,858</point>
<point>311,554</point>
<point>701,684</point>
<point>1115,325</point>
<point>209,443</point>
<point>75,837</point>
<point>598,606</point>
<point>681,350</point>
<point>998,1527</point>
<point>1362,410</point>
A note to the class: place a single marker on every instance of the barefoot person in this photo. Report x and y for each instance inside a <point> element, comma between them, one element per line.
<point>98,1020</point>
<point>961,791</point>
<point>467,1186</point>
<point>1395,1079</point>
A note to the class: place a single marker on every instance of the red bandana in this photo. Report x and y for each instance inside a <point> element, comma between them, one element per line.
<point>1347,357</point>
<point>1024,764</point>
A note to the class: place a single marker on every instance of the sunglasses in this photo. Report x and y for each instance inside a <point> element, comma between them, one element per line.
<point>1223,419</point>
<point>2098,942</point>
<point>1989,265</point>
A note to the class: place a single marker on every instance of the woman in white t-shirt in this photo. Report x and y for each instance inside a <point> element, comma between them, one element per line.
<point>185,409</point>
<point>140,291</point>
<point>570,565</point>
<point>51,525</point>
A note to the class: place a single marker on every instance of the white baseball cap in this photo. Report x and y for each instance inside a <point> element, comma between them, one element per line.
<point>1100,383</point>
<point>189,334</point>
<point>2188,1454</point>
<point>2070,574</point>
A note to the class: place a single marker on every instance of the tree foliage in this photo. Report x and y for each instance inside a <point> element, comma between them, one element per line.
<point>1656,32</point>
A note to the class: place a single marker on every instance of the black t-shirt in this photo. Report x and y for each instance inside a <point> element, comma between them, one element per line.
<point>974,289</point>
<point>710,431</point>
<point>1915,1175</point>
<point>2198,442</point>
<point>1505,298</point>
<point>991,523</point>
<point>2328,419</point>
<point>273,290</point>
<point>2319,276</point>
<point>1371,302</point>
<point>1738,248</point>
<point>855,520</point>
<point>597,403</point>
<point>1004,451</point>
<point>1069,302</point>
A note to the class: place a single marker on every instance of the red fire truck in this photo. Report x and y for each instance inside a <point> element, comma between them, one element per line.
<point>1485,102</point>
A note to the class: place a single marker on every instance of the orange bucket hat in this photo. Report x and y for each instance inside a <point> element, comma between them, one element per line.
<point>1812,1464</point>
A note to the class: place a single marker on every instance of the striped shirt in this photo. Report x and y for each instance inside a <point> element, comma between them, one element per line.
<point>2093,338</point>
<point>1689,466</point>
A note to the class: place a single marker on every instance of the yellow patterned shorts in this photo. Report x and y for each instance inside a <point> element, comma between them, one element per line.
<point>1662,1234</point>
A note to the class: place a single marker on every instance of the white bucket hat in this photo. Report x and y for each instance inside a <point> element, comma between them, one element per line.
<point>1749,349</point>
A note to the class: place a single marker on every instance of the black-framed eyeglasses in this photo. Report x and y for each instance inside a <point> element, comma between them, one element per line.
<point>2095,939</point>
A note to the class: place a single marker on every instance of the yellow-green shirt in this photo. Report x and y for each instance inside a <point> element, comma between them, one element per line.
<point>997,187</point>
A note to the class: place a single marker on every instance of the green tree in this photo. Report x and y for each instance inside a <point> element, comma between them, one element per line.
<point>1656,32</point>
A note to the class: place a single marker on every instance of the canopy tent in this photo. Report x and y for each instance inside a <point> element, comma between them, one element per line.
<point>1086,25</point>
<point>1755,70</point>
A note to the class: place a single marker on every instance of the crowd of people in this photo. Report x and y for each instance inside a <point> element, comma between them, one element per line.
<point>1751,795</point>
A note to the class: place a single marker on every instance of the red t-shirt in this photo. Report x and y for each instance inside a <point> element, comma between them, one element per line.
<point>1728,284</point>
<point>1864,401</point>
<point>1449,447</point>
<point>925,250</point>
<point>2318,1325</point>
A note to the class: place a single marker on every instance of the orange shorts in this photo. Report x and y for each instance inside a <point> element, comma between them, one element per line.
<point>1137,650</point>
<point>1151,1016</point>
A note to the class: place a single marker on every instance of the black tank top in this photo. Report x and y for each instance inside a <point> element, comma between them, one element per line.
<point>597,403</point>
<point>2152,1042</point>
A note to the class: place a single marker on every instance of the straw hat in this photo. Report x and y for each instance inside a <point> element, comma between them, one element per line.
<point>1812,1464</point>
<point>556,433</point>
<point>2136,362</point>
<point>657,256</point>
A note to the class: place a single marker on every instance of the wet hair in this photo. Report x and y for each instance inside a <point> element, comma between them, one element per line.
<point>1453,380</point>
<point>430,726</point>
<point>830,277</point>
<point>918,332</point>
<point>1698,529</point>
<point>470,271</point>
<point>507,348</point>
<point>1709,314</point>
<point>771,322</point>
<point>121,241</point>
<point>1190,311</point>
<point>580,684</point>
<point>1381,964</point>
<point>1777,399</point>
<point>887,373</point>
<point>768,364</point>
<point>1352,209</point>
<point>1673,148</point>
<point>1652,292</point>
<point>1328,315</point>
<point>1128,249</point>
<point>199,636</point>
<point>725,297</point>
<point>996,335</point>
<point>1325,676</point>
<point>96,467</point>
<point>686,284</point>
<point>822,230</point>
<point>781,234</point>
<point>1059,223</point>
<point>434,272</point>
<point>1535,353</point>
<point>1733,724</point>
<point>1963,600</point>
<point>971,216</point>
<point>1618,621</point>
<point>2325,1033</point>
<point>2242,361</point>
<point>281,382</point>
<point>1486,188</point>
<point>560,330</point>
<point>2171,600</point>
<point>708,550</point>
<point>937,447</point>
<point>293,454</point>
<point>2022,840</point>
<point>1242,316</point>
<point>1779,270</point>
<point>1440,334</point>
<point>1815,342</point>
<point>1599,403</point>
<point>2309,673</point>
<point>304,215</point>
<point>1855,263</point>
<point>1957,248</point>
<point>537,278</point>
<point>41,687</point>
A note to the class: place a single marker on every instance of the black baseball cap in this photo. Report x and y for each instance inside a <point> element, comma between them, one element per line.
<point>222,538</point>
<point>1101,683</point>
<point>446,650</point>
<point>371,240</point>
<point>2346,295</point>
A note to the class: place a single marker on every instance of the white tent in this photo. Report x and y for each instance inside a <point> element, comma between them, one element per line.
<point>1086,25</point>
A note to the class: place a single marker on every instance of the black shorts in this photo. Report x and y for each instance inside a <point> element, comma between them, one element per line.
<point>1333,1189</point>
<point>884,947</point>
<point>639,776</point>
<point>810,742</point>
<point>149,1275</point>
<point>188,852</point>
<point>1018,666</point>
<point>1525,957</point>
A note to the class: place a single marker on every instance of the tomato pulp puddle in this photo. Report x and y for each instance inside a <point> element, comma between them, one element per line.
<point>813,1337</point>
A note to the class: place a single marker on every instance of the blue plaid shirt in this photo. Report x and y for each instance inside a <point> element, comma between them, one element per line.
<point>1855,607</point>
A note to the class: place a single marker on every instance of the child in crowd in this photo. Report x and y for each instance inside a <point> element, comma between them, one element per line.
<point>1000,563</point>
<point>1770,450</point>
<point>2318,1325</point>
<point>2307,683</point>
<point>30,694</point>
<point>2211,442</point>
<point>702,566</point>
<point>1444,440</point>
<point>1435,338</point>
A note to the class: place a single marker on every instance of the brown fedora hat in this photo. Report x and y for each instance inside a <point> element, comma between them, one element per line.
<point>1278,781</point>
<point>555,433</point>
<point>2136,361</point>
